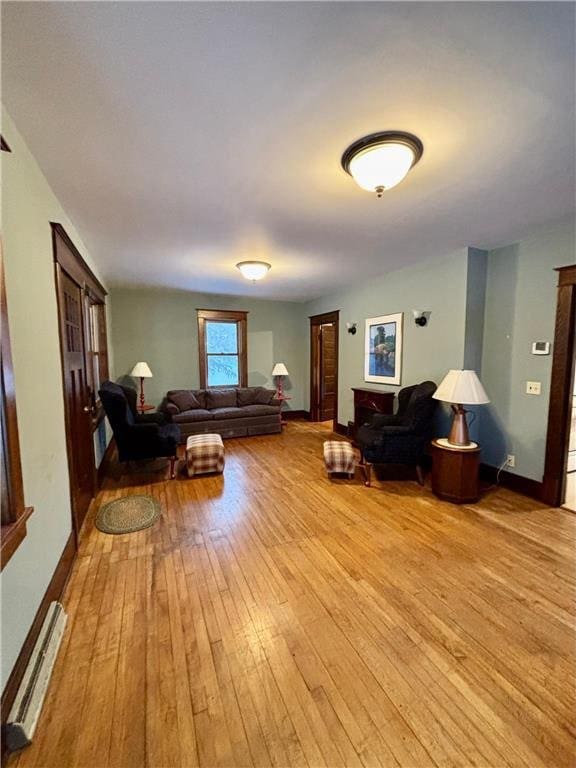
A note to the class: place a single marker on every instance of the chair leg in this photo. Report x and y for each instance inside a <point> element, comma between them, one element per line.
<point>368,473</point>
<point>172,467</point>
<point>420,474</point>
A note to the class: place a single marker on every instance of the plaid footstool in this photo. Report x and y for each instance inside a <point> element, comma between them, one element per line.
<point>339,457</point>
<point>204,453</point>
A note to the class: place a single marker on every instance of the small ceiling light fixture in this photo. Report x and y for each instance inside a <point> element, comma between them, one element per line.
<point>253,270</point>
<point>380,161</point>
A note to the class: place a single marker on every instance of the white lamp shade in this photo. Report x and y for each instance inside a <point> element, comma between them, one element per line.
<point>280,370</point>
<point>141,371</point>
<point>382,165</point>
<point>462,388</point>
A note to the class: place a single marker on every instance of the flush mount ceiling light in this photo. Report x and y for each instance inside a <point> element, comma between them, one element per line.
<point>253,270</point>
<point>380,161</point>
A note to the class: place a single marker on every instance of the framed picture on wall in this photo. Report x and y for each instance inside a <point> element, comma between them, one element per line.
<point>383,349</point>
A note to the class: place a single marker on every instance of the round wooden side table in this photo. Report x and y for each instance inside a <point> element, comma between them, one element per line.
<point>455,472</point>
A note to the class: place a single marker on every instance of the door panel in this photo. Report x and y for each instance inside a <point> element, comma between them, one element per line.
<point>327,371</point>
<point>324,367</point>
<point>77,401</point>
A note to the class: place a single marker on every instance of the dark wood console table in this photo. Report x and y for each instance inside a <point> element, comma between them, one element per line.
<point>367,402</point>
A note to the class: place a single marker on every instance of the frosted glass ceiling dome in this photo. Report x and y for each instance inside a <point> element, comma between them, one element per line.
<point>380,161</point>
<point>253,270</point>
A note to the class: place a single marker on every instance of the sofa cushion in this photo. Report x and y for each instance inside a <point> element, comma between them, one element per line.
<point>264,396</point>
<point>260,410</point>
<point>220,398</point>
<point>200,395</point>
<point>228,413</point>
<point>183,399</point>
<point>247,395</point>
<point>194,414</point>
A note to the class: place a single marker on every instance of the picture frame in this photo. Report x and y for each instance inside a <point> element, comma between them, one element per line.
<point>383,349</point>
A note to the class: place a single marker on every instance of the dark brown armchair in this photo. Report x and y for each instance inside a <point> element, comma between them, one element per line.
<point>138,437</point>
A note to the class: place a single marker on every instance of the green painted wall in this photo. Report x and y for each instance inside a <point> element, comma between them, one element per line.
<point>29,206</point>
<point>520,308</point>
<point>438,287</point>
<point>160,327</point>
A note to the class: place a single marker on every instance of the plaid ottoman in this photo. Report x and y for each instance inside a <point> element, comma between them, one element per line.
<point>204,453</point>
<point>339,457</point>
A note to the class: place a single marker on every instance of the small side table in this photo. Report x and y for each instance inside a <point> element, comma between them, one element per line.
<point>455,472</point>
<point>282,399</point>
<point>144,408</point>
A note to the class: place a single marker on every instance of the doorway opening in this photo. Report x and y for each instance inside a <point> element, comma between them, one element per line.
<point>560,466</point>
<point>324,332</point>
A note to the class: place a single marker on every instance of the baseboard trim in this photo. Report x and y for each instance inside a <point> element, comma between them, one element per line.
<point>102,470</point>
<point>341,430</point>
<point>518,483</point>
<point>293,415</point>
<point>53,592</point>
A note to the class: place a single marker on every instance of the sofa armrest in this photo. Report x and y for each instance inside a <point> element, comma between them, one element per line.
<point>171,409</point>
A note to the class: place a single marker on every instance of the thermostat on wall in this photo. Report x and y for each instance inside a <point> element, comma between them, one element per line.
<point>540,347</point>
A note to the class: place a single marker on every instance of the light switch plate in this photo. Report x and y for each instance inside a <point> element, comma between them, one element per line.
<point>533,387</point>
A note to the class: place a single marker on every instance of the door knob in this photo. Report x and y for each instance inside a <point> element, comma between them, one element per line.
<point>87,408</point>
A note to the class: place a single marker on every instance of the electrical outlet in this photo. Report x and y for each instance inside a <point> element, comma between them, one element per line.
<point>511,460</point>
<point>533,387</point>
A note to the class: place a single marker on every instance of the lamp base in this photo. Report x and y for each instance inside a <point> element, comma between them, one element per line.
<point>459,434</point>
<point>142,401</point>
<point>279,388</point>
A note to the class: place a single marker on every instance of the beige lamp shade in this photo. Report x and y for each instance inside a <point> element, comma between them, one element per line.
<point>461,387</point>
<point>280,370</point>
<point>141,371</point>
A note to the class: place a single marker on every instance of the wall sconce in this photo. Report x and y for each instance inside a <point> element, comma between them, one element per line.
<point>421,317</point>
<point>351,328</point>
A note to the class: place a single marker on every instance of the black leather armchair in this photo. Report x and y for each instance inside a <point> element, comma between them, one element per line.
<point>139,418</point>
<point>401,438</point>
<point>138,437</point>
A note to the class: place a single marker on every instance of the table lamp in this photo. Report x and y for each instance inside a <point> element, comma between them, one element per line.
<point>279,371</point>
<point>460,388</point>
<point>141,371</point>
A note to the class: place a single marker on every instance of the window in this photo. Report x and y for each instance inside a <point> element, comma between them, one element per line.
<point>222,343</point>
<point>96,345</point>
<point>14,513</point>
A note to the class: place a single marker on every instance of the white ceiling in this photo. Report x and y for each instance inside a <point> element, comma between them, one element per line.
<point>184,137</point>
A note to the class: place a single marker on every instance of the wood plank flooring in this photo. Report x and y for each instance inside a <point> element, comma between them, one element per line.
<point>274,617</point>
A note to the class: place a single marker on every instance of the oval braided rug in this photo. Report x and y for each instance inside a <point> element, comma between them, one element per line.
<point>128,514</point>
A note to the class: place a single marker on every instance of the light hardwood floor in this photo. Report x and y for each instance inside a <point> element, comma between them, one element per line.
<point>276,618</point>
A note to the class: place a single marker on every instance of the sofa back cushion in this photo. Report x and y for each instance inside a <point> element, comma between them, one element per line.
<point>220,398</point>
<point>184,399</point>
<point>247,396</point>
<point>264,396</point>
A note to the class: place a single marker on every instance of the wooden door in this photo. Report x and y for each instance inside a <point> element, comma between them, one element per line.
<point>561,389</point>
<point>77,401</point>
<point>327,345</point>
<point>324,367</point>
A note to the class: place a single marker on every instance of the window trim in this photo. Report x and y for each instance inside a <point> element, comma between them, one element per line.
<point>14,527</point>
<point>221,315</point>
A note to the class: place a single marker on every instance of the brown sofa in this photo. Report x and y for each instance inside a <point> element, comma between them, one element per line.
<point>228,412</point>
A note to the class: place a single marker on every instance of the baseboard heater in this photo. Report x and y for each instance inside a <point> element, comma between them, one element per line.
<point>25,712</point>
